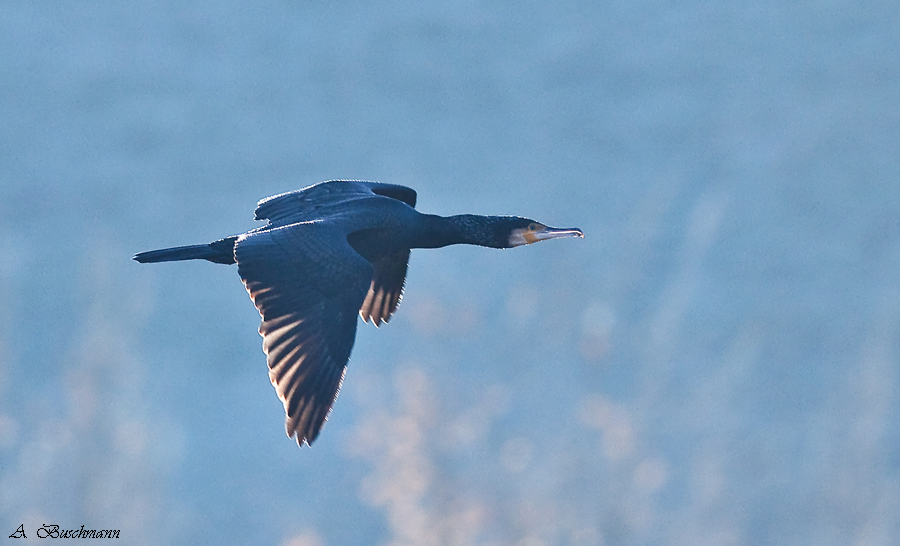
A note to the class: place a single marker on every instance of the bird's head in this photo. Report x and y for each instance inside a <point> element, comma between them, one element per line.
<point>524,231</point>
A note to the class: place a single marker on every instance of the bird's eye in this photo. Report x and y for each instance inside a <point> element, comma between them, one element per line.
<point>533,227</point>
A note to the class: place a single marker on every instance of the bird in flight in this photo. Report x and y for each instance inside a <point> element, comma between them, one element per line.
<point>327,253</point>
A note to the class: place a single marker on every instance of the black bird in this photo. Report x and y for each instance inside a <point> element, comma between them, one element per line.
<point>326,253</point>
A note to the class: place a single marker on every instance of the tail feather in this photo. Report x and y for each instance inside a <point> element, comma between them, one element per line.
<point>220,252</point>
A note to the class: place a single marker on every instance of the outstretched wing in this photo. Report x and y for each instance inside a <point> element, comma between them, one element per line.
<point>308,284</point>
<point>386,289</point>
<point>302,205</point>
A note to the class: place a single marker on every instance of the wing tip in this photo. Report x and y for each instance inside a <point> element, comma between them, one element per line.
<point>375,320</point>
<point>308,420</point>
<point>301,439</point>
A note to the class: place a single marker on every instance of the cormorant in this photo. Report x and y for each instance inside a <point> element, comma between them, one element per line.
<point>326,253</point>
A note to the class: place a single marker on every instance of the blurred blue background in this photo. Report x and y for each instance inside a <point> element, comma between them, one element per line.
<point>714,364</point>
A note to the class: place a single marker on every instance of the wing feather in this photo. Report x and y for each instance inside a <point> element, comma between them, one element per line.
<point>386,289</point>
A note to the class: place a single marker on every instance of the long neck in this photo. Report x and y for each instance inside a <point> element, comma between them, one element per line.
<point>470,229</point>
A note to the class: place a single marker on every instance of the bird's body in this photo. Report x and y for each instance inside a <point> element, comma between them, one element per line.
<point>327,253</point>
